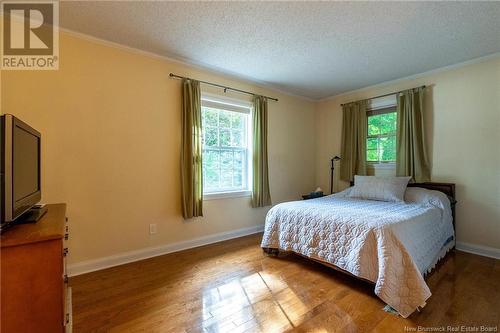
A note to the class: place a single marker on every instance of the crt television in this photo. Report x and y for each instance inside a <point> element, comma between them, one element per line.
<point>20,168</point>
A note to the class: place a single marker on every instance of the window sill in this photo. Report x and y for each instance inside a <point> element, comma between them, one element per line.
<point>226,195</point>
<point>382,166</point>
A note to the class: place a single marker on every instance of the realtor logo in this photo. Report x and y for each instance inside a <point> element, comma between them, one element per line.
<point>30,35</point>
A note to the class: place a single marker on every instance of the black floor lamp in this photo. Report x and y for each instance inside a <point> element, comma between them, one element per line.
<point>336,158</point>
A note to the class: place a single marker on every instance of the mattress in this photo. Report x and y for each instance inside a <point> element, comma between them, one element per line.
<point>391,244</point>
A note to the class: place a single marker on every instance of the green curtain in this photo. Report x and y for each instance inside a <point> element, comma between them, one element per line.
<point>411,156</point>
<point>191,150</point>
<point>260,196</point>
<point>354,131</point>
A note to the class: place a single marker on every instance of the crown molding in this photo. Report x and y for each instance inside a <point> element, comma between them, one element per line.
<point>415,76</point>
<point>265,85</point>
<point>183,61</point>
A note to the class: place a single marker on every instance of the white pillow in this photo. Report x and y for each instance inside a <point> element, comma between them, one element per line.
<point>379,188</point>
<point>427,197</point>
<point>431,198</point>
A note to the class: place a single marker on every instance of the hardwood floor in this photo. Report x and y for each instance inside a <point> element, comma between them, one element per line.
<point>233,287</point>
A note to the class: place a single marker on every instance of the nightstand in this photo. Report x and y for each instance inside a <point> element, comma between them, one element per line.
<point>312,196</point>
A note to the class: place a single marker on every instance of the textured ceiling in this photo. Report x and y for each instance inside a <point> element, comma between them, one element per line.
<point>313,49</point>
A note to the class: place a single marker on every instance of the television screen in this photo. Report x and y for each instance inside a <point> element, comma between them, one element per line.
<point>20,185</point>
<point>25,166</point>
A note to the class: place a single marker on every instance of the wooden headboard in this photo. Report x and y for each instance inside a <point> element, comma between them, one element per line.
<point>446,188</point>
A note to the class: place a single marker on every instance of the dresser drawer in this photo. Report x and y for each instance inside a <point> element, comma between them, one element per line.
<point>34,296</point>
<point>65,250</point>
<point>68,316</point>
<point>66,230</point>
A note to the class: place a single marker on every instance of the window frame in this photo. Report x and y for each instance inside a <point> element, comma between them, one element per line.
<point>240,106</point>
<point>375,112</point>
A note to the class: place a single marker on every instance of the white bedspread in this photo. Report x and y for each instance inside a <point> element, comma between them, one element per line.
<point>390,244</point>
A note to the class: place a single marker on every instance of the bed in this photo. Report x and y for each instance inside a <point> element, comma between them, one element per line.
<point>391,244</point>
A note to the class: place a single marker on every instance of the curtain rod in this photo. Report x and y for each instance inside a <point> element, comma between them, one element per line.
<point>393,93</point>
<point>172,75</point>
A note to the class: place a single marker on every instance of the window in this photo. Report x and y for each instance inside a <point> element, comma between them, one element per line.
<point>226,142</point>
<point>381,139</point>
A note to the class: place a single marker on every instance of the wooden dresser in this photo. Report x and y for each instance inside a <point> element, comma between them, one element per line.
<point>34,292</point>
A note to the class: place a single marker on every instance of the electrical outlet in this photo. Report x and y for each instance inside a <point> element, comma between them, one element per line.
<point>152,229</point>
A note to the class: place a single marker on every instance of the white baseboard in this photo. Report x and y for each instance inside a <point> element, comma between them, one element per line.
<point>481,250</point>
<point>131,256</point>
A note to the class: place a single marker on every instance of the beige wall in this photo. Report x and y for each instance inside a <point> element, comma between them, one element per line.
<point>110,120</point>
<point>463,121</point>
